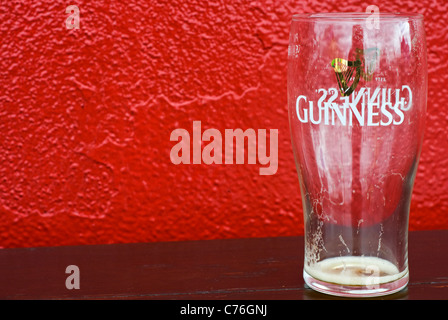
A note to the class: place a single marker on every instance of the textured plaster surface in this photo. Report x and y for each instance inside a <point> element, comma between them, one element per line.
<point>86,116</point>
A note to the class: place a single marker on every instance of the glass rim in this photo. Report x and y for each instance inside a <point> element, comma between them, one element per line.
<point>347,16</point>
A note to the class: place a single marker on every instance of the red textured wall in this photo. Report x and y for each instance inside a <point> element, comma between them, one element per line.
<point>86,116</point>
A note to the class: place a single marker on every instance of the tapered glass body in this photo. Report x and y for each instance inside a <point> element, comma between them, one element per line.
<point>357,90</point>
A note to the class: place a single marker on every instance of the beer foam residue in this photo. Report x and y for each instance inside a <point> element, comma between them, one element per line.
<point>315,245</point>
<point>355,270</point>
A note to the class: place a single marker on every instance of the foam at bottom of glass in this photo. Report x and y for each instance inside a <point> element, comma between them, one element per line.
<point>355,276</point>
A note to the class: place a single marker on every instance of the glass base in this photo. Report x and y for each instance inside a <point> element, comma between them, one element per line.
<point>350,276</point>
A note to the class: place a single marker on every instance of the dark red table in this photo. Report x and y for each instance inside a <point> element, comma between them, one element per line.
<point>264,268</point>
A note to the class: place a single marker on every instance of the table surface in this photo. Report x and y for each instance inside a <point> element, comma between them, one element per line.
<point>257,268</point>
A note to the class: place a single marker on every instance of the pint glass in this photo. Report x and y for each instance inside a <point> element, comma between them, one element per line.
<point>357,87</point>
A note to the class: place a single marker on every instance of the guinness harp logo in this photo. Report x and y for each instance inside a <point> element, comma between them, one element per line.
<point>349,72</point>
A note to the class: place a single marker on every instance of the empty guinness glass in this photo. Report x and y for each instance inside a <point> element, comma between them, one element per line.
<point>357,102</point>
